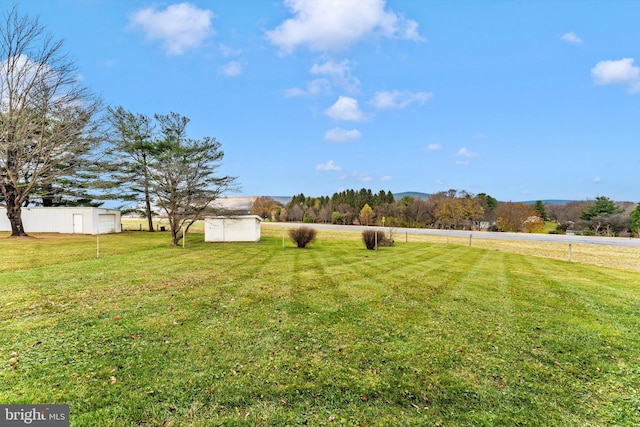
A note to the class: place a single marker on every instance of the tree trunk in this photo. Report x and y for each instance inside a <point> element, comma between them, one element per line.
<point>148,210</point>
<point>175,237</point>
<point>147,191</point>
<point>14,213</point>
<point>174,225</point>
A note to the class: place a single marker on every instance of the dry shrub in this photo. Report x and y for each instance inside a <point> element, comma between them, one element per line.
<point>369,238</point>
<point>302,236</point>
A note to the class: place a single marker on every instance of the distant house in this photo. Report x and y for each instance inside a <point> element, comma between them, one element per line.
<point>242,228</point>
<point>71,220</point>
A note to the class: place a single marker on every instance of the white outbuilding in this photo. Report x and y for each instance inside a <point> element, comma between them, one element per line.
<point>241,228</point>
<point>71,220</point>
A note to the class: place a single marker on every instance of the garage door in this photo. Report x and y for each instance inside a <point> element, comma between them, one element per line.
<point>106,223</point>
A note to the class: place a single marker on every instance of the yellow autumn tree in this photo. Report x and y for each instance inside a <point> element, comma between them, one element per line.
<point>534,224</point>
<point>366,215</point>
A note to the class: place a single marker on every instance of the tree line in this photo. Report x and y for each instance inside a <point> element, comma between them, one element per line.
<point>457,210</point>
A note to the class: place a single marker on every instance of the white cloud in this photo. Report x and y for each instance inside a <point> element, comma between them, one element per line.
<point>339,73</point>
<point>228,51</point>
<point>295,92</point>
<point>386,178</point>
<point>342,135</point>
<point>346,109</point>
<point>597,180</point>
<point>463,152</point>
<point>365,177</point>
<point>19,72</point>
<point>480,136</point>
<point>331,74</point>
<point>434,147</point>
<point>330,25</point>
<point>330,166</point>
<point>440,182</point>
<point>398,99</point>
<point>357,176</point>
<point>621,72</point>
<point>571,37</point>
<point>179,27</point>
<point>231,69</point>
<point>466,156</point>
<point>314,87</point>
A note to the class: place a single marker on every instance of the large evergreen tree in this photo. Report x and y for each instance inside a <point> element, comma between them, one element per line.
<point>601,207</point>
<point>132,147</point>
<point>541,210</point>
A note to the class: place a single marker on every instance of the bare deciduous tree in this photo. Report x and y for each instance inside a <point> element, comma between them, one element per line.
<point>46,116</point>
<point>512,216</point>
<point>266,207</point>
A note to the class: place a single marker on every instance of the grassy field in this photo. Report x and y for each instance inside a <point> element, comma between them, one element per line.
<point>422,333</point>
<point>140,224</point>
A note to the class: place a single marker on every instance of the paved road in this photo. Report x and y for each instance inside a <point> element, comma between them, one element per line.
<point>557,238</point>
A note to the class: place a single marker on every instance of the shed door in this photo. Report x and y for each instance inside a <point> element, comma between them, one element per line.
<point>106,223</point>
<point>77,224</point>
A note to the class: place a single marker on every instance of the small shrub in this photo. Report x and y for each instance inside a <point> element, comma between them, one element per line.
<point>302,236</point>
<point>369,238</point>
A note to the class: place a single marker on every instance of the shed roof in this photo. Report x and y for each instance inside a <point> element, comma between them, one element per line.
<point>234,217</point>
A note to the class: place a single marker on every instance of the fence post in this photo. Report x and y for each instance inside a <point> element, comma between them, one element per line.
<point>470,235</point>
<point>569,252</point>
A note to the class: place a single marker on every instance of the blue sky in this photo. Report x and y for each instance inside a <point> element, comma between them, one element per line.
<point>522,100</point>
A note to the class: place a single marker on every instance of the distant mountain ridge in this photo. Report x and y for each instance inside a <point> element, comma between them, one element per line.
<point>425,196</point>
<point>417,194</point>
<point>548,202</point>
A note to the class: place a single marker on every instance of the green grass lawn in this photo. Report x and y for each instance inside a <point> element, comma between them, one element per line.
<point>549,226</point>
<point>254,334</point>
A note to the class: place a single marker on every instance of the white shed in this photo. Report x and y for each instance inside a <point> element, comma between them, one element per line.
<point>72,220</point>
<point>242,228</point>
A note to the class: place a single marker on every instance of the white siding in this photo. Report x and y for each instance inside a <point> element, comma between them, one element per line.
<point>79,220</point>
<point>244,228</point>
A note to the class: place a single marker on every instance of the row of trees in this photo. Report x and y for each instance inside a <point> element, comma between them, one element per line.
<point>601,216</point>
<point>447,209</point>
<point>58,148</point>
<point>454,209</point>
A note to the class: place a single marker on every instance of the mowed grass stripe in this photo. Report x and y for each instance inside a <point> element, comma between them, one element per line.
<point>253,334</point>
<point>570,332</point>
